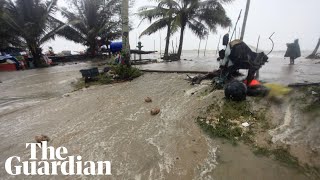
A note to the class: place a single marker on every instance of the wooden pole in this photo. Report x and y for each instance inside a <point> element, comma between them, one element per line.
<point>160,42</point>
<point>258,72</point>
<point>205,49</point>
<point>245,20</point>
<point>199,48</point>
<point>218,47</point>
<point>258,44</point>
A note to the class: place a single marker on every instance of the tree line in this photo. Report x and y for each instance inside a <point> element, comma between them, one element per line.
<point>31,23</point>
<point>200,16</point>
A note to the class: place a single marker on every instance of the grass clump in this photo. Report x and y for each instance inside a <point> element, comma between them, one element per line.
<point>124,72</point>
<point>223,129</point>
<point>118,73</point>
<point>99,80</point>
<point>279,154</point>
<point>228,123</point>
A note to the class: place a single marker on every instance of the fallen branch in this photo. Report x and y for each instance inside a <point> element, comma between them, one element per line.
<point>304,84</point>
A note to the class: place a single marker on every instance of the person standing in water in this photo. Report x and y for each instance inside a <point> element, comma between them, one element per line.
<point>293,51</point>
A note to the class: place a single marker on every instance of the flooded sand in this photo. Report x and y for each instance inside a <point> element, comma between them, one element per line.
<point>113,123</point>
<point>276,70</point>
<point>20,89</point>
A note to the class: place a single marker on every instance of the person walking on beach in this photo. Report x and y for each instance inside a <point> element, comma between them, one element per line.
<point>293,51</point>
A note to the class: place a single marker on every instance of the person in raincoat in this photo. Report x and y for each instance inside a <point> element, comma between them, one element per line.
<point>293,51</point>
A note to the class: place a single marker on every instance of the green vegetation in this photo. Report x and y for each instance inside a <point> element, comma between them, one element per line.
<point>30,23</point>
<point>279,154</point>
<point>100,80</point>
<point>118,73</point>
<point>227,123</point>
<point>125,72</point>
<point>91,19</point>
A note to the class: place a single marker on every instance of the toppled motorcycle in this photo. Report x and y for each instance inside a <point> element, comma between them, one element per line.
<point>237,56</point>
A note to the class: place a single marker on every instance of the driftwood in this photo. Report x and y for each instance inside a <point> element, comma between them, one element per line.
<point>304,84</point>
<point>199,78</point>
<point>210,76</point>
<point>133,51</point>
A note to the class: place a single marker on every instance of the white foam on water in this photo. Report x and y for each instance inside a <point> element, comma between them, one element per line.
<point>287,132</point>
<point>204,171</point>
<point>17,105</point>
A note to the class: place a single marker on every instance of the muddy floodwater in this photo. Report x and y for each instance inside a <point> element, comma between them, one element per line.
<point>113,123</point>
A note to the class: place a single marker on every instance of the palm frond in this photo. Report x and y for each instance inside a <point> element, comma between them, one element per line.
<point>156,26</point>
<point>198,28</point>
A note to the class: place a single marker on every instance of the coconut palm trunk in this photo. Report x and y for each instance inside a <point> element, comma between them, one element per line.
<point>181,41</point>
<point>245,20</point>
<point>313,54</point>
<point>166,51</point>
<point>125,31</point>
<point>36,54</point>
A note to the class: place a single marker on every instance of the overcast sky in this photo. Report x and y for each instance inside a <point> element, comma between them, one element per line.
<point>289,19</point>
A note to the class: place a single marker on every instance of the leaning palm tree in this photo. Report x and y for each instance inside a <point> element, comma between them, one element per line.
<point>92,19</point>
<point>7,36</point>
<point>163,14</point>
<point>32,22</point>
<point>201,17</point>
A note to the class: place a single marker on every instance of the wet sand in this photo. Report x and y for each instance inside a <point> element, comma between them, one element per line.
<point>113,122</point>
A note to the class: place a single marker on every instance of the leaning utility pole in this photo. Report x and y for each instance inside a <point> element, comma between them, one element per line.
<point>125,31</point>
<point>245,20</point>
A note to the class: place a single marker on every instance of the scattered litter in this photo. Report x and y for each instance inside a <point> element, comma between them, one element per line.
<point>66,95</point>
<point>155,111</point>
<point>278,90</point>
<point>41,138</point>
<point>245,124</point>
<point>314,93</point>
<point>148,100</point>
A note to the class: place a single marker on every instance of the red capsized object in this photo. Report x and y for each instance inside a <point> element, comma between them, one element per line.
<point>252,83</point>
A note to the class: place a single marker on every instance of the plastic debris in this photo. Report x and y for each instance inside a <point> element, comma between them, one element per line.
<point>246,124</point>
<point>278,90</point>
<point>314,93</point>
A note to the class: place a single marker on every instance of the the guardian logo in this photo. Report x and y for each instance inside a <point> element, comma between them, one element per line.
<point>54,162</point>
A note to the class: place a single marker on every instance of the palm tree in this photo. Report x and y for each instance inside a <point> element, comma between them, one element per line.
<point>201,17</point>
<point>33,23</point>
<point>163,13</point>
<point>314,55</point>
<point>7,35</point>
<point>125,32</point>
<point>92,19</point>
